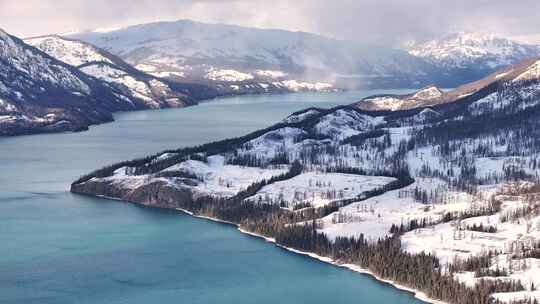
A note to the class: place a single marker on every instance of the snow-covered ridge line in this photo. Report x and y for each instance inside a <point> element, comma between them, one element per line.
<point>524,71</point>
<point>140,88</point>
<point>154,92</point>
<point>70,51</point>
<point>187,49</point>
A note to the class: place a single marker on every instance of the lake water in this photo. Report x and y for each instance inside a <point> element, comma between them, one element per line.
<point>56,247</point>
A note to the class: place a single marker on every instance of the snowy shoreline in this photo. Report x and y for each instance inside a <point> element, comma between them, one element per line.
<point>417,294</point>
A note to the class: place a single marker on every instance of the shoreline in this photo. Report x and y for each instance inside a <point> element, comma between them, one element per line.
<point>416,293</point>
<point>351,267</point>
<point>196,102</point>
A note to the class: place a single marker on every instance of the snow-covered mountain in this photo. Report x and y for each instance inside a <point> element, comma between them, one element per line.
<point>187,50</point>
<point>41,94</point>
<point>474,53</point>
<point>172,64</point>
<point>454,187</point>
<point>524,71</point>
<point>232,55</point>
<point>148,90</point>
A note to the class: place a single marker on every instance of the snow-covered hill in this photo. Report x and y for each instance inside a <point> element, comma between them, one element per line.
<point>148,90</point>
<point>72,52</point>
<point>524,71</point>
<point>191,50</point>
<point>41,94</point>
<point>439,180</point>
<point>470,50</point>
<point>52,84</point>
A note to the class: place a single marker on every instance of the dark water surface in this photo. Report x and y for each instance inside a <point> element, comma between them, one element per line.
<point>56,247</point>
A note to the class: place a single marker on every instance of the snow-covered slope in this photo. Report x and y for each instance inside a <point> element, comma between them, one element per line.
<point>148,90</point>
<point>468,50</point>
<point>440,179</point>
<point>209,52</point>
<point>423,97</point>
<point>41,94</point>
<point>524,71</point>
<point>191,50</point>
<point>72,52</point>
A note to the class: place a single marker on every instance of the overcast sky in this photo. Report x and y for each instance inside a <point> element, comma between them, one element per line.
<point>373,21</point>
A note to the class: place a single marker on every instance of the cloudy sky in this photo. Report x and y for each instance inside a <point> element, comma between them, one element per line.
<point>373,21</point>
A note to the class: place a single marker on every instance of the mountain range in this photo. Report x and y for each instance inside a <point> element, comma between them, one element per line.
<point>68,82</point>
<point>197,51</point>
<point>39,93</point>
<point>522,72</point>
<point>464,49</point>
<point>209,52</point>
<point>146,89</point>
<point>469,56</point>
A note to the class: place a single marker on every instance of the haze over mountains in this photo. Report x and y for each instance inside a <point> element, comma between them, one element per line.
<point>464,49</point>
<point>193,50</point>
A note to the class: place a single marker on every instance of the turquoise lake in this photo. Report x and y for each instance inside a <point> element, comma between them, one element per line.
<point>56,247</point>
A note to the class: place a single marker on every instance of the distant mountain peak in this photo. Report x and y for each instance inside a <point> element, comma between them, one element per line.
<point>39,93</point>
<point>522,72</point>
<point>467,49</point>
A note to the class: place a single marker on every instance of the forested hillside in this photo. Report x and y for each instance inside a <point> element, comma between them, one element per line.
<point>439,198</point>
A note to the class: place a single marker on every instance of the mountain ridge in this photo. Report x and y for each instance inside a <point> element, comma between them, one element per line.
<point>153,79</point>
<point>461,50</point>
<point>151,91</point>
<point>197,48</point>
<point>42,94</point>
<point>526,70</point>
<point>194,48</point>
